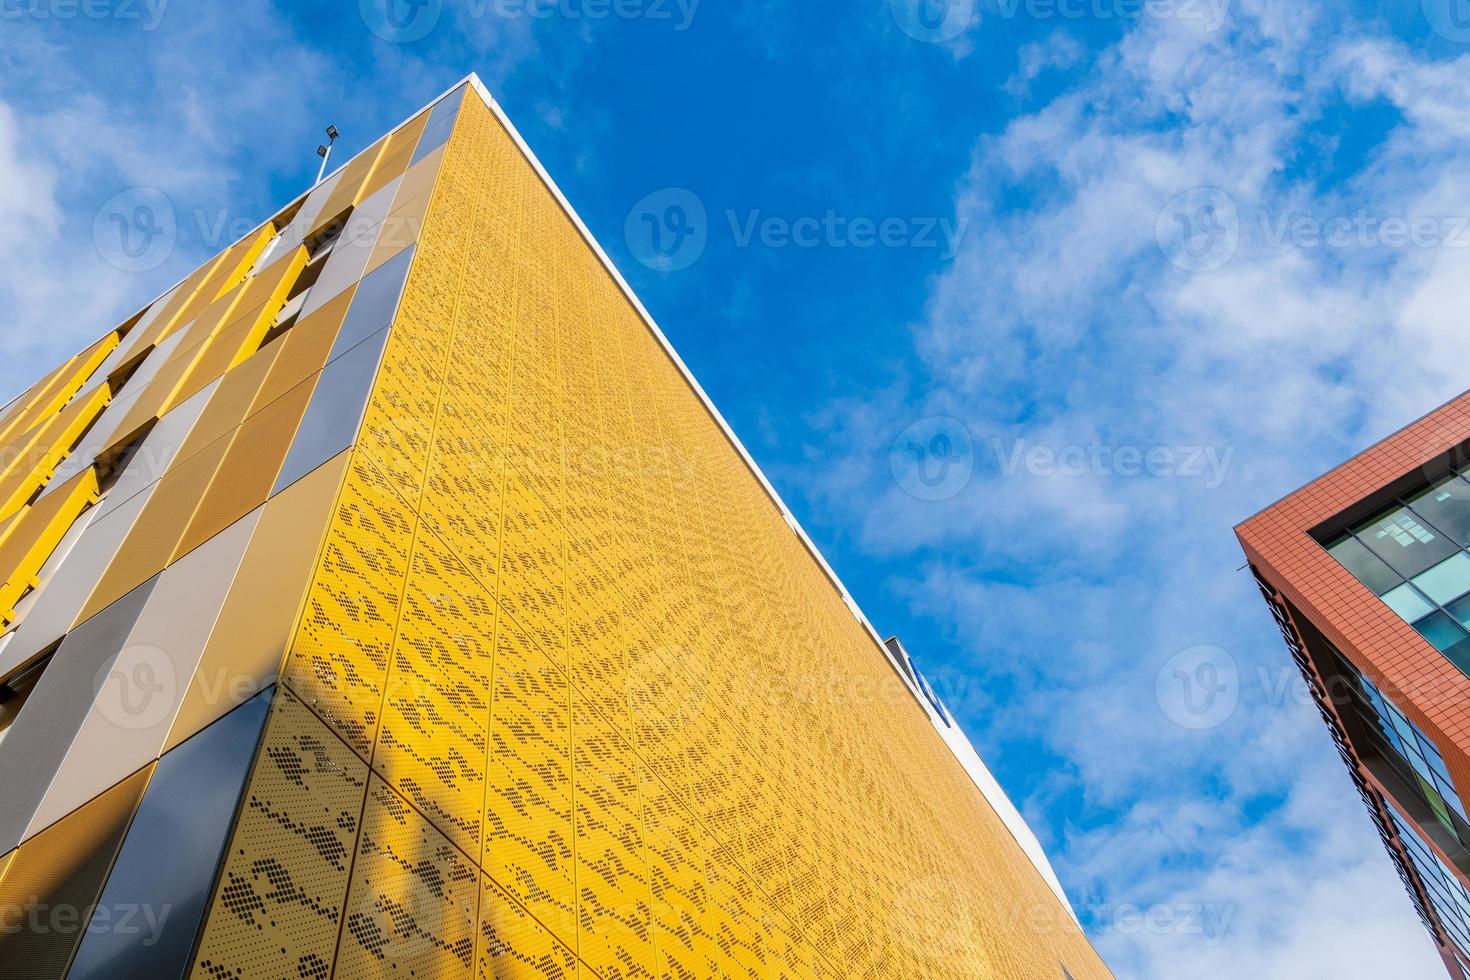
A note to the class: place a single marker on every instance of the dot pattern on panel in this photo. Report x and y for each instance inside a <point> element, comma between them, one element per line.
<point>620,722</point>
<point>279,899</point>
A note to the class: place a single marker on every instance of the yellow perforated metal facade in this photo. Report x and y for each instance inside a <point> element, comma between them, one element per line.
<point>561,692</point>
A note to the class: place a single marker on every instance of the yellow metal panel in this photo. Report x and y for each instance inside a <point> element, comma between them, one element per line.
<point>349,189</point>
<point>339,657</point>
<point>52,883</point>
<point>185,304</point>
<point>192,299</point>
<point>414,903</point>
<point>56,392</point>
<point>278,907</point>
<point>396,155</point>
<point>249,469</point>
<point>529,829</point>
<point>304,348</point>
<point>211,347</point>
<point>672,779</point>
<point>17,417</point>
<point>53,442</point>
<point>432,741</point>
<point>236,265</point>
<point>230,404</point>
<point>39,530</point>
<point>249,642</point>
<point>273,285</point>
<point>614,900</point>
<point>9,524</point>
<point>514,946</point>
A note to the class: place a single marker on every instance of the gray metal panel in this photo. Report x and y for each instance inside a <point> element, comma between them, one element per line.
<point>159,450</point>
<point>135,335</point>
<point>295,233</point>
<point>334,416</point>
<point>108,365</point>
<point>375,303</point>
<point>440,125</point>
<point>43,731</point>
<point>137,702</point>
<point>67,592</point>
<point>344,267</point>
<point>171,854</point>
<point>53,564</point>
<point>366,216</point>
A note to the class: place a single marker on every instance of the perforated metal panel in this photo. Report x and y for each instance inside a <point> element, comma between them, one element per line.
<point>573,699</point>
<point>339,659</point>
<point>414,903</point>
<point>278,906</point>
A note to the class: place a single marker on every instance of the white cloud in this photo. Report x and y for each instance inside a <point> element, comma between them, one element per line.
<point>1062,324</point>
<point>215,109</point>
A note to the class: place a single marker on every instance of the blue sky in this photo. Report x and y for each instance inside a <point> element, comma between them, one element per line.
<point>1022,305</point>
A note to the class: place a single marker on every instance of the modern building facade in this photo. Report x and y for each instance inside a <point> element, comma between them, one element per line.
<point>387,600</point>
<point>1367,574</point>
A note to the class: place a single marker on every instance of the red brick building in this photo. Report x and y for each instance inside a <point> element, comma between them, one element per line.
<point>1367,572</point>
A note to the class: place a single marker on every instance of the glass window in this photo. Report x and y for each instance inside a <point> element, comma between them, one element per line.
<point>1460,609</point>
<point>169,857</point>
<point>1449,898</point>
<point>1447,581</point>
<point>1441,631</point>
<point>1446,506</point>
<point>1364,565</point>
<point>1408,603</point>
<point>1400,538</point>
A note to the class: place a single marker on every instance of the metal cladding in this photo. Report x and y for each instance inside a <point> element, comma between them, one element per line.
<point>398,528</point>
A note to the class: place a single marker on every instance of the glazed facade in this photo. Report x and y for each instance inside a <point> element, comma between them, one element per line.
<point>1367,573</point>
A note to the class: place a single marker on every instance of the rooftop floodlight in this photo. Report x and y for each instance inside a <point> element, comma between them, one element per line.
<point>325,152</point>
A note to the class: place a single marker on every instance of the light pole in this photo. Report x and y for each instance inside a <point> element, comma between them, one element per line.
<point>325,152</point>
